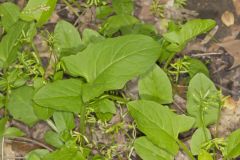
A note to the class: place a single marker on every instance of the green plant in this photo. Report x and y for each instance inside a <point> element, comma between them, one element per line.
<point>88,72</point>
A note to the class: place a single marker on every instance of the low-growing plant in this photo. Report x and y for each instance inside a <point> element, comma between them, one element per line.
<point>87,72</point>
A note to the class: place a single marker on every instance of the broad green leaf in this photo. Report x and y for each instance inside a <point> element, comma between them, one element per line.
<point>123,6</point>
<point>202,100</point>
<point>3,122</point>
<point>109,64</point>
<point>67,40</point>
<point>91,36</point>
<point>64,95</point>
<point>158,123</point>
<point>9,14</point>
<point>42,113</point>
<point>37,154</point>
<point>104,109</point>
<point>190,30</point>
<point>148,151</point>
<point>156,86</point>
<point>65,153</point>
<point>196,66</point>
<point>10,43</point>
<point>199,137</point>
<point>116,23</point>
<point>232,150</point>
<point>20,105</point>
<point>187,121</point>
<point>103,12</point>
<point>145,29</point>
<point>38,10</point>
<point>204,155</point>
<point>64,121</point>
<point>53,139</point>
<point>13,132</point>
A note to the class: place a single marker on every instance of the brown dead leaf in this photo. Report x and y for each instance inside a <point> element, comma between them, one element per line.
<point>227,18</point>
<point>233,48</point>
<point>236,4</point>
<point>230,103</point>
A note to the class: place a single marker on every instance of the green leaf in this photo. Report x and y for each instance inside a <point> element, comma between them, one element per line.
<point>232,149</point>
<point>103,11</point>
<point>64,95</point>
<point>37,154</point>
<point>10,43</point>
<point>9,14</point>
<point>104,109</point>
<point>204,155</point>
<point>187,121</point>
<point>53,139</point>
<point>199,137</point>
<point>104,64</point>
<point>190,30</point>
<point>202,100</point>
<point>91,36</point>
<point>42,113</point>
<point>196,66</point>
<point>146,29</point>
<point>65,153</point>
<point>156,86</point>
<point>116,23</point>
<point>123,6</point>
<point>64,121</point>
<point>158,123</point>
<point>67,40</point>
<point>20,105</point>
<point>38,10</point>
<point>148,151</point>
<point>13,132</point>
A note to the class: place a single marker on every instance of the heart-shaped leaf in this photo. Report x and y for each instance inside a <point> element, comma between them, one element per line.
<point>158,123</point>
<point>109,64</point>
<point>64,95</point>
<point>153,84</point>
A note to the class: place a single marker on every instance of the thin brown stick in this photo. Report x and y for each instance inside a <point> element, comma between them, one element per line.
<point>206,54</point>
<point>28,140</point>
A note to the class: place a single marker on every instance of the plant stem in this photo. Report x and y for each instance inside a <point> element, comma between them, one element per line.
<point>185,149</point>
<point>117,98</point>
<point>82,119</point>
<point>221,103</point>
<point>168,61</point>
<point>71,8</point>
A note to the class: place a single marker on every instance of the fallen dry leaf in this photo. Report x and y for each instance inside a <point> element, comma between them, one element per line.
<point>227,18</point>
<point>230,103</point>
<point>236,4</point>
<point>233,48</point>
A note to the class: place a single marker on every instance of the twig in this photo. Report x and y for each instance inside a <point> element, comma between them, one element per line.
<point>227,90</point>
<point>206,54</point>
<point>3,148</point>
<point>14,158</point>
<point>210,35</point>
<point>28,140</point>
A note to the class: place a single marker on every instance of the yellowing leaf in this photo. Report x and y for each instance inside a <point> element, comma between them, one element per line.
<point>227,18</point>
<point>230,103</point>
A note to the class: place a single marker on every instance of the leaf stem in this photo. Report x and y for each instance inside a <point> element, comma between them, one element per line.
<point>83,119</point>
<point>185,149</point>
